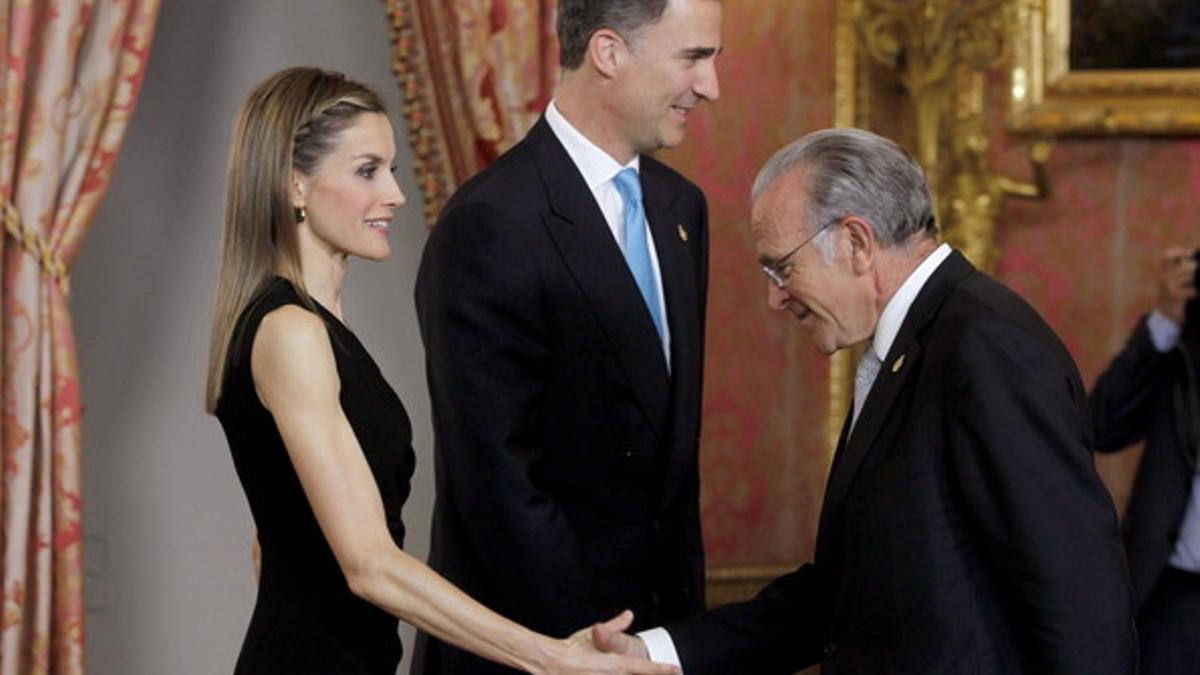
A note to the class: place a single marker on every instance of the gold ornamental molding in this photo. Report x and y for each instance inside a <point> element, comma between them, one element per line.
<point>915,70</point>
<point>734,584</point>
<point>1046,96</point>
<point>930,45</point>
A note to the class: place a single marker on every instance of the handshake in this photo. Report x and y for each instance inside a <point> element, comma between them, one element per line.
<point>610,638</point>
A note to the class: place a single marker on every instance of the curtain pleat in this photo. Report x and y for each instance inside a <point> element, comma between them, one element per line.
<point>475,75</point>
<point>69,80</point>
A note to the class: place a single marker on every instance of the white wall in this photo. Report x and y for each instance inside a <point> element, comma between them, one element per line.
<point>170,585</point>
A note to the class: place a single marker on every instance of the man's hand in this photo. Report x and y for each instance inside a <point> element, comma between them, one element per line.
<point>610,637</point>
<point>1175,287</point>
<point>586,649</point>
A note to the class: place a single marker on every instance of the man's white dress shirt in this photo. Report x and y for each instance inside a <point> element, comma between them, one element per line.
<point>599,169</point>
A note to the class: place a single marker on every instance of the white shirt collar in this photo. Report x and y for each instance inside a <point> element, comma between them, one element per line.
<point>597,166</point>
<point>897,308</point>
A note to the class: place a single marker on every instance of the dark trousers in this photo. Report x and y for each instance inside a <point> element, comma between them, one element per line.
<point>1169,625</point>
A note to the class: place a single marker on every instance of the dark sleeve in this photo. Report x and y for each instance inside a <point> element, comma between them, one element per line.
<point>1018,448</point>
<point>479,303</point>
<point>775,633</point>
<point>1126,393</point>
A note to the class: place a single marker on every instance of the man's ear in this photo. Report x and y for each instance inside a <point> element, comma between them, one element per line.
<point>863,245</point>
<point>607,51</point>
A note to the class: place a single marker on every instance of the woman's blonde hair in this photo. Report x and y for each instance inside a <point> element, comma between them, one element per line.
<point>290,121</point>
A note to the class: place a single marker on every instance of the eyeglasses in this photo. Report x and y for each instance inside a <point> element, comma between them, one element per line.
<point>779,271</point>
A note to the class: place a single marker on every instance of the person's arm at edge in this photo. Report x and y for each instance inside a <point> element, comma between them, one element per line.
<point>1124,395</point>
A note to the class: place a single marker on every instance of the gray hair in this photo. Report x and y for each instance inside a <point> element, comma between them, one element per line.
<point>579,19</point>
<point>852,172</point>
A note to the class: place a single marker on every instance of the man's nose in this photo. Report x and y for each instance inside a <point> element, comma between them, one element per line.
<point>707,85</point>
<point>777,297</point>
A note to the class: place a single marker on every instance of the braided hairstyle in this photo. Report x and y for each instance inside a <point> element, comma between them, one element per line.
<point>290,121</point>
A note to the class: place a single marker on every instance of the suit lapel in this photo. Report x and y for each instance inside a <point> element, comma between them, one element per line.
<point>678,270</point>
<point>858,444</point>
<point>675,265</point>
<point>587,247</point>
<point>903,359</point>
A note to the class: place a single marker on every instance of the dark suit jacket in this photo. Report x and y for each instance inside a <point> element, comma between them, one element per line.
<point>566,454</point>
<point>964,528</point>
<point>1139,397</point>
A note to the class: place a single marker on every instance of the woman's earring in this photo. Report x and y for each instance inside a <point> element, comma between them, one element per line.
<point>301,214</point>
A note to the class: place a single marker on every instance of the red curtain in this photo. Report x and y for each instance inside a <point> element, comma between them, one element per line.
<point>70,77</point>
<point>475,76</point>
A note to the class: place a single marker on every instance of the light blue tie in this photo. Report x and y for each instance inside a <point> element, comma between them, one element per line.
<point>637,250</point>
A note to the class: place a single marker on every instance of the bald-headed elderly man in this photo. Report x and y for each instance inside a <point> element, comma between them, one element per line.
<point>964,529</point>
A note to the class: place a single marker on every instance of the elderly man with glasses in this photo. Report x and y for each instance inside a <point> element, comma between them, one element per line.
<point>964,529</point>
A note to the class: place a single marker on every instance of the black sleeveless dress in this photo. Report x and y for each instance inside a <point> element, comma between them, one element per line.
<point>305,618</point>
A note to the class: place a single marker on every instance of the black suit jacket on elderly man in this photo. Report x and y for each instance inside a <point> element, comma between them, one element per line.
<point>567,467</point>
<point>964,529</point>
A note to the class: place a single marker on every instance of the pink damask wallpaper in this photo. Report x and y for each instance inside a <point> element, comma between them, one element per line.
<point>765,386</point>
<point>1088,257</point>
<point>1085,258</point>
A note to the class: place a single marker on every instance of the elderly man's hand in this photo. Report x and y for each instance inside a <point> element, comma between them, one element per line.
<point>610,637</point>
<point>605,648</point>
<point>1176,282</point>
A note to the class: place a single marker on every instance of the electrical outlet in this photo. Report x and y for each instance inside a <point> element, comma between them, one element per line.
<point>97,582</point>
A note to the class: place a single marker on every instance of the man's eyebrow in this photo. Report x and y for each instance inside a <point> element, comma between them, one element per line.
<point>700,52</point>
<point>770,261</point>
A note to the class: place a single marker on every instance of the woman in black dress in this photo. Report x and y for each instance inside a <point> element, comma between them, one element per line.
<point>321,442</point>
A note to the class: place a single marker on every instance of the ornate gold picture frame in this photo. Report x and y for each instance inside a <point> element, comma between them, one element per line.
<point>1047,96</point>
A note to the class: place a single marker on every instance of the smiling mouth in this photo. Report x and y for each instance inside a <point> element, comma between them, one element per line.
<point>380,224</point>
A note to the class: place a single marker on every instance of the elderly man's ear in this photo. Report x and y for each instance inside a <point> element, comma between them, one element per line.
<point>860,238</point>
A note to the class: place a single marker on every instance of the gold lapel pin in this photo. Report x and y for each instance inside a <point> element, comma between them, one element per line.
<point>898,364</point>
<point>682,232</point>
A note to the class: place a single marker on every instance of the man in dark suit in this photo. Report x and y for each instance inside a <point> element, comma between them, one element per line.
<point>561,299</point>
<point>1149,392</point>
<point>964,528</point>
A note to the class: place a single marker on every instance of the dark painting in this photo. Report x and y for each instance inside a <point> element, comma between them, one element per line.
<point>1135,34</point>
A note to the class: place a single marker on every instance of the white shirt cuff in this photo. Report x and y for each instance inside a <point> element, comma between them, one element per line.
<point>1164,333</point>
<point>660,646</point>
